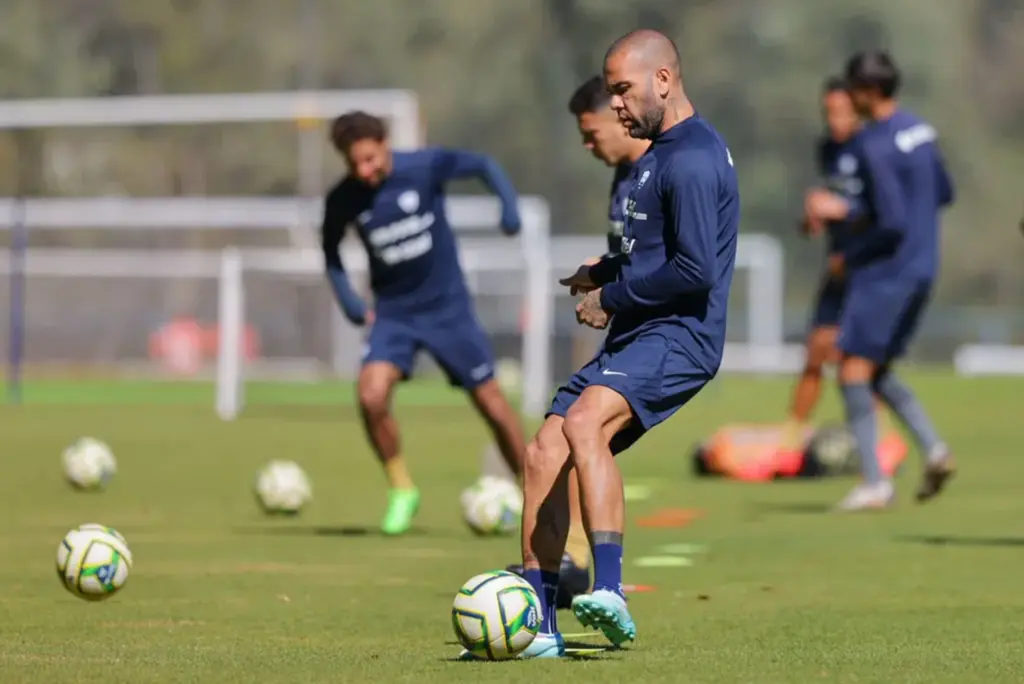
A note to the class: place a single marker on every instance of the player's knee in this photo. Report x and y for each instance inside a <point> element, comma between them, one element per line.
<point>491,401</point>
<point>538,462</point>
<point>581,425</point>
<point>374,398</point>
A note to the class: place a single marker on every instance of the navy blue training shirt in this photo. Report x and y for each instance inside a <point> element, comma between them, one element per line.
<point>905,184</point>
<point>679,245</point>
<point>414,265</point>
<point>617,198</point>
<point>838,167</point>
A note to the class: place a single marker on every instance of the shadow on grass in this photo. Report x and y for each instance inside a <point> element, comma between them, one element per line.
<point>320,531</point>
<point>800,508</point>
<point>570,644</point>
<point>965,541</point>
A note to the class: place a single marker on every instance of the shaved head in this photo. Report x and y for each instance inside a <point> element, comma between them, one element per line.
<point>642,73</point>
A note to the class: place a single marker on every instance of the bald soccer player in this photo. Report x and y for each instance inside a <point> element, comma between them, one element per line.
<point>605,137</point>
<point>663,300</point>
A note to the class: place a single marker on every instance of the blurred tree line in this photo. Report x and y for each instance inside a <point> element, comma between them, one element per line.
<point>495,75</point>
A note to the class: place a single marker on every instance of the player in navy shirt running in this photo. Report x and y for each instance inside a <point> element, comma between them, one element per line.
<point>395,202</point>
<point>664,301</point>
<point>833,153</point>
<point>890,263</point>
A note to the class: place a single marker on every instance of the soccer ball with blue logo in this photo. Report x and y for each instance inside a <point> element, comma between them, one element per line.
<point>492,506</point>
<point>93,561</point>
<point>496,615</point>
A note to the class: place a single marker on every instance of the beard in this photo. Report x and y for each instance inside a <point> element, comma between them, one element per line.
<point>648,124</point>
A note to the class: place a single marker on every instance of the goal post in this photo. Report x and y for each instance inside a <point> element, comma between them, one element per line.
<point>534,268</point>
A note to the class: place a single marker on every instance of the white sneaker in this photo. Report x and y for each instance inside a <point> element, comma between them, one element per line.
<point>866,496</point>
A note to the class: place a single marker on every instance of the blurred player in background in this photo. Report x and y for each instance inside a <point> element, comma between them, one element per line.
<point>395,201</point>
<point>607,139</point>
<point>890,263</point>
<point>665,297</point>
<point>842,123</point>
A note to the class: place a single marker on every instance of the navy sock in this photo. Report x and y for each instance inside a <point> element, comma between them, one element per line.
<point>608,566</point>
<point>545,583</point>
<point>904,404</point>
<point>860,416</point>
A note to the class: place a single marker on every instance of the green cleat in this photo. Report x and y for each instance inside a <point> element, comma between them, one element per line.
<point>402,507</point>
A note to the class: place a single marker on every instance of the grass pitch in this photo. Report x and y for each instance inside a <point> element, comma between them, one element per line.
<point>782,592</point>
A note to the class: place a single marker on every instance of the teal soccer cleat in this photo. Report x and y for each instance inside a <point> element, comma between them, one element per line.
<point>605,610</point>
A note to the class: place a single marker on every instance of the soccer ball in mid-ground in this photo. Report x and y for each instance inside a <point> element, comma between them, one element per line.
<point>89,464</point>
<point>492,505</point>
<point>282,488</point>
<point>496,615</point>
<point>93,561</point>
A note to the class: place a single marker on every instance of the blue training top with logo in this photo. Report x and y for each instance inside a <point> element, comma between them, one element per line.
<point>618,195</point>
<point>413,258</point>
<point>838,167</point>
<point>904,185</point>
<point>679,245</point>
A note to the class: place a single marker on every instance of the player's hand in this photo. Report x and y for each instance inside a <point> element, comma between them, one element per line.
<point>822,205</point>
<point>369,318</point>
<point>580,281</point>
<point>811,228</point>
<point>589,311</point>
<point>836,266</point>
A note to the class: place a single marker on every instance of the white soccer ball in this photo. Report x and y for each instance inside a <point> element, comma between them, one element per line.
<point>496,615</point>
<point>93,561</point>
<point>283,488</point>
<point>492,506</point>
<point>89,464</point>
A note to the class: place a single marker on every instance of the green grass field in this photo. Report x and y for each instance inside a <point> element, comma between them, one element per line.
<point>783,592</point>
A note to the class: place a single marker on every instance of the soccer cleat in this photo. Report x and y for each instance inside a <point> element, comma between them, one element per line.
<point>572,580</point>
<point>937,472</point>
<point>542,646</point>
<point>865,497</point>
<point>402,507</point>
<point>605,610</point>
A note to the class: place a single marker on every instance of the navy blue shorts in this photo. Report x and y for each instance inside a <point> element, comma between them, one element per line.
<point>652,373</point>
<point>828,307</point>
<point>880,318</point>
<point>455,340</point>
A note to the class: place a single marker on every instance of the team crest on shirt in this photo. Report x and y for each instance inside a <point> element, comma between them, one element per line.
<point>409,201</point>
<point>643,179</point>
<point>847,164</point>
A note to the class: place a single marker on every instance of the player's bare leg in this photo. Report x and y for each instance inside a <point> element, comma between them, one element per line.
<point>820,350</point>
<point>597,416</point>
<point>375,388</point>
<point>546,524</point>
<point>856,375</point>
<point>504,423</point>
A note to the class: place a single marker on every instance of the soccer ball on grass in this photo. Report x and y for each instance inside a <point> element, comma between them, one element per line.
<point>89,464</point>
<point>93,561</point>
<point>496,615</point>
<point>492,506</point>
<point>282,488</point>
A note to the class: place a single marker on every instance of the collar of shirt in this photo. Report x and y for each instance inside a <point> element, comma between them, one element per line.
<point>677,130</point>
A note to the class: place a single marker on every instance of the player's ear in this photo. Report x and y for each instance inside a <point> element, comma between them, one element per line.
<point>662,81</point>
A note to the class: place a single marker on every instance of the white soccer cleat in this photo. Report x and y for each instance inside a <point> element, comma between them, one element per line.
<point>865,496</point>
